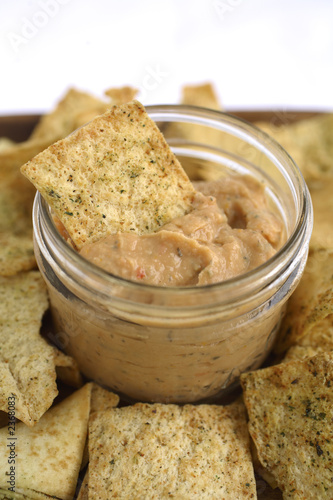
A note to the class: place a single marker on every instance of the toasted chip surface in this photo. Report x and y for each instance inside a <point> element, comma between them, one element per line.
<point>115,174</point>
<point>301,352</point>
<point>203,95</point>
<point>311,302</point>
<point>27,361</point>
<point>162,451</point>
<point>319,339</point>
<point>290,409</point>
<point>322,200</point>
<point>120,95</point>
<point>16,245</point>
<point>309,142</point>
<point>68,115</point>
<point>67,369</point>
<point>102,399</point>
<point>49,454</point>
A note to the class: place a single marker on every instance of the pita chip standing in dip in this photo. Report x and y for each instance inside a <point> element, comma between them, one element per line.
<point>121,199</point>
<point>132,210</point>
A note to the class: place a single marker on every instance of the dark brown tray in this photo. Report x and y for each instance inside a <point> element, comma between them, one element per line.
<point>19,127</point>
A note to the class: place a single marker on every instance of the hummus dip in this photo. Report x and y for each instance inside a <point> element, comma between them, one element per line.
<point>161,354</point>
<point>229,231</point>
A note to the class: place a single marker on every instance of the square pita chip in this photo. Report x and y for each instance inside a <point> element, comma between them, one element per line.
<point>47,457</point>
<point>116,174</point>
<point>290,409</point>
<point>162,451</point>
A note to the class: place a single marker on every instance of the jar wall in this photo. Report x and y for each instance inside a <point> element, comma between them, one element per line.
<point>154,344</point>
<point>202,360</point>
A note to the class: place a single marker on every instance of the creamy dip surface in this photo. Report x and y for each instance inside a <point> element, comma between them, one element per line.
<point>230,230</point>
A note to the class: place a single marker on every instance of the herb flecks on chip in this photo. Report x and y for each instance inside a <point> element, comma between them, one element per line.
<point>97,179</point>
<point>148,451</point>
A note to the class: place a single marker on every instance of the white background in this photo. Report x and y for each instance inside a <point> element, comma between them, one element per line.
<point>260,54</point>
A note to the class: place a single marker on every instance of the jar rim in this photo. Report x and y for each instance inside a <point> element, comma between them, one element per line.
<point>260,276</point>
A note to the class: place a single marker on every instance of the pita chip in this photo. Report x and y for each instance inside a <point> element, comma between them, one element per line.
<point>16,244</point>
<point>290,409</point>
<point>101,400</point>
<point>160,451</point>
<point>309,142</point>
<point>68,115</point>
<point>27,361</point>
<point>120,95</point>
<point>116,174</point>
<point>203,95</point>
<point>48,455</point>
<point>311,302</point>
<point>322,201</point>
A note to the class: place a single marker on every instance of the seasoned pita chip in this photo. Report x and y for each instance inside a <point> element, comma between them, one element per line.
<point>159,451</point>
<point>16,245</point>
<point>27,361</point>
<point>115,174</point>
<point>290,409</point>
<point>322,200</point>
<point>311,302</point>
<point>73,111</point>
<point>28,495</point>
<point>121,95</point>
<point>48,455</point>
<point>202,95</point>
<point>301,352</point>
<point>310,143</point>
<point>67,369</point>
<point>319,339</point>
<point>18,154</point>
<point>101,400</point>
<point>68,115</point>
<point>16,254</point>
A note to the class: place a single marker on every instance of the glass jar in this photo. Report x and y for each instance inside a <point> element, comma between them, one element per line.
<point>186,344</point>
